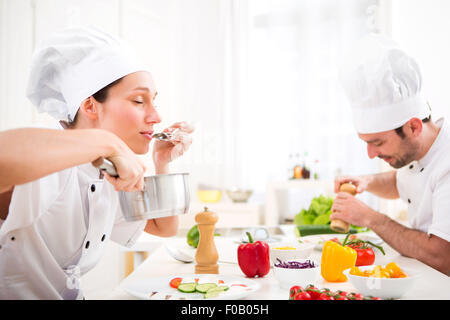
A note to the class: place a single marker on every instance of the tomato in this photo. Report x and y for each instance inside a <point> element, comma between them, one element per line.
<point>335,240</point>
<point>342,293</point>
<point>239,285</point>
<point>313,292</point>
<point>302,295</point>
<point>326,296</point>
<point>365,257</point>
<point>175,282</point>
<point>355,296</point>
<point>293,291</point>
<point>340,297</point>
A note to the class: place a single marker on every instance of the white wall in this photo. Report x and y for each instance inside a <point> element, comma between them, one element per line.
<point>422,27</point>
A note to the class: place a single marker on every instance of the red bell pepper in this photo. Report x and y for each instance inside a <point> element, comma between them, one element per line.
<point>253,258</point>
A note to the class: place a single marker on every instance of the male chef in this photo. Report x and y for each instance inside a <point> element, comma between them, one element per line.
<point>383,85</point>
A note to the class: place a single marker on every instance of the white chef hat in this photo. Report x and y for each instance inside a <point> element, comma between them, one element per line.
<point>73,64</point>
<point>383,85</point>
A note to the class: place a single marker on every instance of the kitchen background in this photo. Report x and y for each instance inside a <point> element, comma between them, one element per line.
<point>257,78</point>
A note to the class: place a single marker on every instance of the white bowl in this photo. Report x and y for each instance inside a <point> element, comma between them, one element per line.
<point>301,277</point>
<point>384,288</point>
<point>301,251</point>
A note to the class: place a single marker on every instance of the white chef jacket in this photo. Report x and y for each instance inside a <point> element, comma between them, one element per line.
<point>56,231</point>
<point>425,186</point>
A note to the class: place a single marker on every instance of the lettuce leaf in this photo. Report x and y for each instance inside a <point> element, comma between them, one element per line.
<point>318,212</point>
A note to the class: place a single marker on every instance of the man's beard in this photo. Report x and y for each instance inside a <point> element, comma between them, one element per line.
<point>401,160</point>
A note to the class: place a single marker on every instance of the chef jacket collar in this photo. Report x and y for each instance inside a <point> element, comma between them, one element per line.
<point>436,146</point>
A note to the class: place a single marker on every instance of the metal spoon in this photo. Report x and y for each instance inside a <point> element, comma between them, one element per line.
<point>178,254</point>
<point>164,136</point>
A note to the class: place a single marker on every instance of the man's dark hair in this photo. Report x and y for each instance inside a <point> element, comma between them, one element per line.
<point>400,132</point>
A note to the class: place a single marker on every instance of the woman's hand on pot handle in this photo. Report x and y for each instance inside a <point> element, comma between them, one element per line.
<point>130,169</point>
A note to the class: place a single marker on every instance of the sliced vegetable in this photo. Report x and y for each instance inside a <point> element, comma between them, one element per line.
<point>187,287</point>
<point>295,264</point>
<point>175,282</point>
<point>204,287</point>
<point>392,270</point>
<point>212,294</point>
<point>215,291</point>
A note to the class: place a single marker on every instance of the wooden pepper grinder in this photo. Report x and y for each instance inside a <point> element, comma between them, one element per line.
<point>339,225</point>
<point>206,255</point>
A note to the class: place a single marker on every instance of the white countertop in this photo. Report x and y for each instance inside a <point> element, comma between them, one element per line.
<point>430,285</point>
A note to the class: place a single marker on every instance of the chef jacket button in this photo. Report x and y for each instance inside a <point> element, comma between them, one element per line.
<point>411,166</point>
<point>93,188</point>
<point>13,238</point>
<point>87,244</point>
<point>103,237</point>
<point>409,200</point>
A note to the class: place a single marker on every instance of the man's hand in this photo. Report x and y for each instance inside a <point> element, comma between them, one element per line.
<point>360,182</point>
<point>347,208</point>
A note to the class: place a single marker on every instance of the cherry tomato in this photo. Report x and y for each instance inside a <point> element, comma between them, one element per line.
<point>293,291</point>
<point>335,240</point>
<point>302,295</point>
<point>365,257</point>
<point>313,292</point>
<point>175,282</point>
<point>340,297</point>
<point>326,296</point>
<point>355,296</point>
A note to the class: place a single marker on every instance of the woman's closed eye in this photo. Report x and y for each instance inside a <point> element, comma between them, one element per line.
<point>138,100</point>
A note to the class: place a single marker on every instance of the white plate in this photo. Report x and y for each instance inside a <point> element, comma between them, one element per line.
<point>319,239</point>
<point>142,289</point>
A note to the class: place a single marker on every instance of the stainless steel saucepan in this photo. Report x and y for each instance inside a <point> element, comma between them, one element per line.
<point>164,195</point>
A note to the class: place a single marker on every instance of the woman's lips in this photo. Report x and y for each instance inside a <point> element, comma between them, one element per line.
<point>147,134</point>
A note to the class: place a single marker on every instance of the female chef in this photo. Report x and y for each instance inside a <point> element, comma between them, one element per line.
<point>57,226</point>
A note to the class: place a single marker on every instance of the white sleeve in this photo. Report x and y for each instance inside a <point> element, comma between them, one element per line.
<point>124,232</point>
<point>440,224</point>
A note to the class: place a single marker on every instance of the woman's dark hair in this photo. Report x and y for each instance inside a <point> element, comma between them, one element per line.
<point>400,132</point>
<point>101,96</point>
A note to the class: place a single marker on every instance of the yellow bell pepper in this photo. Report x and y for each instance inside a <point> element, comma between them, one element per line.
<point>335,259</point>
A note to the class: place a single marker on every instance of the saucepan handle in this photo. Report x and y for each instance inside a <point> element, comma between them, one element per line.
<point>109,167</point>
